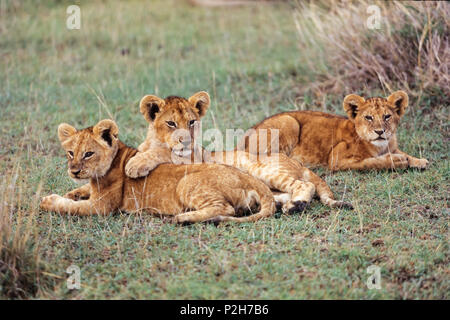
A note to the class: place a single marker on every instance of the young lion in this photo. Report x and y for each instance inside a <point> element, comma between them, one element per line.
<point>186,192</point>
<point>170,138</point>
<point>365,140</point>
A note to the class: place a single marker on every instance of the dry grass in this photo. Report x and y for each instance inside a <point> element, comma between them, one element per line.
<point>21,270</point>
<point>410,51</point>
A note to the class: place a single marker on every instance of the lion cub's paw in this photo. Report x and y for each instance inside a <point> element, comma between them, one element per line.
<point>138,167</point>
<point>342,205</point>
<point>292,207</point>
<point>76,196</point>
<point>398,161</point>
<point>418,163</point>
<point>182,219</point>
<point>48,203</point>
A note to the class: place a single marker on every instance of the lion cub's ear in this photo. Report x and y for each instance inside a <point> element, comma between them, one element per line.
<point>107,130</point>
<point>150,105</point>
<point>400,101</point>
<point>201,102</point>
<point>65,131</point>
<point>351,104</point>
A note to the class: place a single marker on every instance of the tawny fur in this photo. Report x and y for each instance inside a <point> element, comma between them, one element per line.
<point>365,140</point>
<point>175,113</point>
<point>189,193</point>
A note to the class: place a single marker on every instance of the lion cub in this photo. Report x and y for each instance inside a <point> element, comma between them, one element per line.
<point>171,139</point>
<point>365,140</point>
<point>186,192</point>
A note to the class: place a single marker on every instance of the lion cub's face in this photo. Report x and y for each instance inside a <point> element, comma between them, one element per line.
<point>89,151</point>
<point>376,119</point>
<point>175,119</point>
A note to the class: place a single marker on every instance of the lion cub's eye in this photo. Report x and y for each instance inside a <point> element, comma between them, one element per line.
<point>191,123</point>
<point>88,154</point>
<point>70,153</point>
<point>369,118</point>
<point>387,116</point>
<point>171,124</point>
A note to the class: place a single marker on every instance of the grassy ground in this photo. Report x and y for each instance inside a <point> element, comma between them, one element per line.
<point>247,59</point>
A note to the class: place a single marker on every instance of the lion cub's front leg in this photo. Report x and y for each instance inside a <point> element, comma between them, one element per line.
<point>59,204</point>
<point>340,159</point>
<point>415,162</point>
<point>81,193</point>
<point>141,164</point>
<point>387,161</point>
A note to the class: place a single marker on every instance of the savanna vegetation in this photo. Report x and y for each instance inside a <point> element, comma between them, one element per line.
<point>254,60</point>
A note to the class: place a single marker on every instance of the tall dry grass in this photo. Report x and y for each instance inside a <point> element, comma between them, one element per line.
<point>22,272</point>
<point>410,51</point>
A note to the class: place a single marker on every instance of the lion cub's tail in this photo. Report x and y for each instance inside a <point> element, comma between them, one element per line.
<point>325,194</point>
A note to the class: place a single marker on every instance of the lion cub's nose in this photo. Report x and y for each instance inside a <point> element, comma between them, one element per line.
<point>75,172</point>
<point>379,132</point>
<point>186,143</point>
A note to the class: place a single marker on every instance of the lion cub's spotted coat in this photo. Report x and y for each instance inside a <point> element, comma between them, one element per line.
<point>186,192</point>
<point>166,143</point>
<point>365,140</point>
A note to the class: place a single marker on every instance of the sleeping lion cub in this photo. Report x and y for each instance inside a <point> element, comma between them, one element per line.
<point>365,140</point>
<point>186,192</point>
<point>171,139</point>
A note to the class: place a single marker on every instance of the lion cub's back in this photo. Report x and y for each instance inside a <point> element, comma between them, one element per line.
<point>207,174</point>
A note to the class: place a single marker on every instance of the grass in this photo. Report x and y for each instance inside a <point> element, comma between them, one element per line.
<point>409,48</point>
<point>248,59</point>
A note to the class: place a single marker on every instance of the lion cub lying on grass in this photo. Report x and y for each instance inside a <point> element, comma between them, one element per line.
<point>186,192</point>
<point>173,115</point>
<point>365,140</point>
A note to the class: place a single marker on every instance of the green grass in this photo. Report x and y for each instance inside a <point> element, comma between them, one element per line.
<point>248,59</point>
